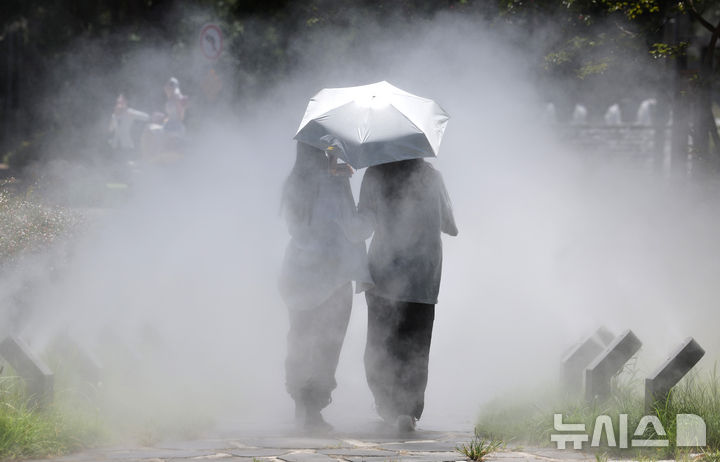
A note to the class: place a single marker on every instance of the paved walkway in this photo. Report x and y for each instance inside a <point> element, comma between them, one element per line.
<point>373,446</point>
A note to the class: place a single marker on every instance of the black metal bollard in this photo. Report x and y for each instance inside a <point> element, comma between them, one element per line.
<point>601,371</point>
<point>37,376</point>
<point>681,360</point>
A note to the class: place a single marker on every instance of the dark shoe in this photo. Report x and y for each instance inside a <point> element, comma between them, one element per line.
<point>315,423</point>
<point>406,423</point>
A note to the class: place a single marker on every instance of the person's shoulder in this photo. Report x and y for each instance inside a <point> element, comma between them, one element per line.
<point>429,169</point>
<point>371,174</point>
<point>431,174</point>
<point>372,170</point>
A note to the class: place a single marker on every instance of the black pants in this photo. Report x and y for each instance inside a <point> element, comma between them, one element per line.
<point>396,355</point>
<point>313,348</point>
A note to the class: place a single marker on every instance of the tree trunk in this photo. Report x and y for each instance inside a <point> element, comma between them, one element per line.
<point>705,129</point>
<point>680,134</point>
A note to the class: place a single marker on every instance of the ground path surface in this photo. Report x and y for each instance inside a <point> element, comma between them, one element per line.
<point>374,444</point>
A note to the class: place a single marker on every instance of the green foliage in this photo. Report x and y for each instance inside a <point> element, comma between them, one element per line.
<point>479,447</point>
<point>664,51</point>
<point>26,431</point>
<point>633,9</point>
<point>712,455</point>
<point>592,68</point>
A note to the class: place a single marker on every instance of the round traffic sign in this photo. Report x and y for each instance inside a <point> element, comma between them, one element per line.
<point>211,41</point>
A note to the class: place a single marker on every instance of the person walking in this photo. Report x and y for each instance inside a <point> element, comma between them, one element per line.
<point>408,207</point>
<point>325,253</point>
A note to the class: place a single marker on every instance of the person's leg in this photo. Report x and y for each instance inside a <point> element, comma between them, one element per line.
<point>299,345</point>
<point>380,366</point>
<point>330,327</point>
<point>314,343</point>
<point>412,351</point>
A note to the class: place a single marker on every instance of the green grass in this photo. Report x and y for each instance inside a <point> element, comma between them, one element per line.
<point>82,414</point>
<point>531,421</point>
<point>136,404</point>
<point>479,447</point>
<point>71,422</point>
<point>29,431</point>
<point>711,455</point>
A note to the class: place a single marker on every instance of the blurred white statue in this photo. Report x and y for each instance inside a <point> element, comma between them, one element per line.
<point>579,115</point>
<point>645,112</point>
<point>175,106</point>
<point>612,115</point>
<point>549,115</point>
<point>121,124</point>
<point>162,141</point>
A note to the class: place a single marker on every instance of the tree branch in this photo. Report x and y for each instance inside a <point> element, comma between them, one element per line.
<point>698,17</point>
<point>710,56</point>
<point>625,31</point>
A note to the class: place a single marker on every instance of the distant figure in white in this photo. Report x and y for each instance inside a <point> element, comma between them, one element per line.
<point>612,115</point>
<point>579,116</point>
<point>645,112</point>
<point>121,124</point>
<point>175,106</point>
<point>162,142</point>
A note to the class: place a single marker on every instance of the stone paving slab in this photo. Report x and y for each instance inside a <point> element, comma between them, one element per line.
<point>358,452</point>
<point>295,443</point>
<point>371,446</point>
<point>512,456</point>
<point>428,457</point>
<point>162,454</point>
<point>567,454</point>
<point>306,457</point>
<point>258,452</point>
<point>422,446</point>
<point>219,456</point>
<point>205,444</point>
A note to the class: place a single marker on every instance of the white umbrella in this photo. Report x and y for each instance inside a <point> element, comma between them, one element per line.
<point>373,124</point>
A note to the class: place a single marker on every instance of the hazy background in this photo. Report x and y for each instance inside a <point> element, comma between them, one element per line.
<point>182,275</point>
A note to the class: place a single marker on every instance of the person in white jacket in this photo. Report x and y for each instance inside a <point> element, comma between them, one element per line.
<point>121,124</point>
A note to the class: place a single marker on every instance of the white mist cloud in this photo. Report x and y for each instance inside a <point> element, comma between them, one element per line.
<point>551,244</point>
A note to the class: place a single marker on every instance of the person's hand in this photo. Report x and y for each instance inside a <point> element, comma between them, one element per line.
<point>342,170</point>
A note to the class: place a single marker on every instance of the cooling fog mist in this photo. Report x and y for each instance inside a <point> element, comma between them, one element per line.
<point>176,288</point>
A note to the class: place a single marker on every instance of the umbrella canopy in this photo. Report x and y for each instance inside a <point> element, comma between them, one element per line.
<point>373,124</point>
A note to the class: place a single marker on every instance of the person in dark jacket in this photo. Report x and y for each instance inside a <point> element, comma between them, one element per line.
<point>324,255</point>
<point>407,205</point>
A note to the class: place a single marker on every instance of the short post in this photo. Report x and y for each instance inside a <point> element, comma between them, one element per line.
<point>600,372</point>
<point>681,360</point>
<point>580,356</point>
<point>37,376</point>
<point>78,359</point>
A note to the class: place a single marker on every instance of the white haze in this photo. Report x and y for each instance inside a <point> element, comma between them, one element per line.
<point>551,244</point>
